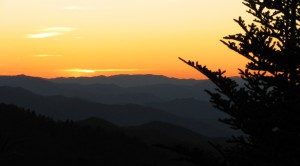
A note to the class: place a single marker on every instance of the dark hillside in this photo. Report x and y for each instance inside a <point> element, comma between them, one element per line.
<point>28,138</point>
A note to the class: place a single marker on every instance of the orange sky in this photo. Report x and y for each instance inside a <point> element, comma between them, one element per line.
<point>53,38</point>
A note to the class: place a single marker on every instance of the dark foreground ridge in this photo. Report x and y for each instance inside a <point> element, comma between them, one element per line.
<point>29,138</point>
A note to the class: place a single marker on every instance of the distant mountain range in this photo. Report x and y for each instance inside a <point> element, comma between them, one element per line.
<point>127,80</point>
<point>115,99</point>
<point>112,93</point>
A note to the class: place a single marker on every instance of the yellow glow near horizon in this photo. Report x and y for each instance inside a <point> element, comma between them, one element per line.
<point>47,37</point>
<point>99,70</point>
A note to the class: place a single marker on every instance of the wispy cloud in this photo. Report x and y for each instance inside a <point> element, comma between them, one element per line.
<point>72,8</point>
<point>47,55</point>
<point>50,32</point>
<point>80,70</point>
<point>100,70</point>
<point>43,35</point>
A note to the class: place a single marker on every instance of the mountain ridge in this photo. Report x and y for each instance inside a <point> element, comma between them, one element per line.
<point>125,80</point>
<point>63,108</point>
<point>109,93</point>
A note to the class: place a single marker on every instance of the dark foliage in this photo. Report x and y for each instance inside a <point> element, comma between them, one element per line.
<point>27,138</point>
<point>267,108</point>
<point>194,155</point>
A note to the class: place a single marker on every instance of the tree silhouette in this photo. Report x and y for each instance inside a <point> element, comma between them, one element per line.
<point>267,108</point>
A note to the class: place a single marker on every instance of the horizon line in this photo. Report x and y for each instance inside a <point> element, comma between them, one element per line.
<point>171,77</point>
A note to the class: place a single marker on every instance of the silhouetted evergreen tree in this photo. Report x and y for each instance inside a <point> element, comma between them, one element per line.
<point>267,107</point>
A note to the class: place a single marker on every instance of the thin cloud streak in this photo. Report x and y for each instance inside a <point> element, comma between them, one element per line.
<point>43,35</point>
<point>47,55</point>
<point>50,32</point>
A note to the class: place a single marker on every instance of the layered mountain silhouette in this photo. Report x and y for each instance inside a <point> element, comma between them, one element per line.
<point>193,109</point>
<point>111,93</point>
<point>64,108</point>
<point>124,100</point>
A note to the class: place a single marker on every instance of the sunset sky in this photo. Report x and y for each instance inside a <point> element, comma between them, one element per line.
<point>71,38</point>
